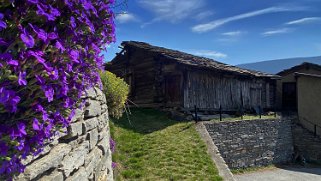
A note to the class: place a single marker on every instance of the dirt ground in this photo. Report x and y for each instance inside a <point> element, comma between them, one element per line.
<point>286,173</point>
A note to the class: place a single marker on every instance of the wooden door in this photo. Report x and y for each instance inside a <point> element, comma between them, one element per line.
<point>173,88</point>
<point>289,97</point>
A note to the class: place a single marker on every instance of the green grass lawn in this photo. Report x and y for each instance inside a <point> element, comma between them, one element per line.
<point>154,147</point>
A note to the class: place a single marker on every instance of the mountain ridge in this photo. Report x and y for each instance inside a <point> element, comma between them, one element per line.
<point>277,65</point>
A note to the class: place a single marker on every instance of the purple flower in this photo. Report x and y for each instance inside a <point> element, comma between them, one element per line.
<point>9,99</point>
<point>59,46</point>
<point>22,78</point>
<point>40,79</point>
<point>22,128</point>
<point>48,130</point>
<point>72,22</point>
<point>74,55</point>
<point>54,74</point>
<point>38,55</point>
<point>49,93</point>
<point>52,36</point>
<point>48,11</point>
<point>3,42</point>
<point>27,39</point>
<point>21,145</point>
<point>33,1</point>
<point>36,125</point>
<point>13,103</point>
<point>112,144</point>
<point>3,24</point>
<point>41,34</point>
<point>114,164</point>
<point>3,148</point>
<point>13,62</point>
<point>19,131</point>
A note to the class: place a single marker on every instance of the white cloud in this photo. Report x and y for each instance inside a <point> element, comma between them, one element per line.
<point>276,31</point>
<point>208,53</point>
<point>304,21</point>
<point>203,15</point>
<point>126,17</point>
<point>201,28</point>
<point>233,33</point>
<point>171,10</point>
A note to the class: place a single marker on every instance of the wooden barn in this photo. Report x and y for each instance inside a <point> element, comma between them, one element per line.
<point>160,77</point>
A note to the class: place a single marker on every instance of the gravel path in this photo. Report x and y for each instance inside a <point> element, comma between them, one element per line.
<point>282,174</point>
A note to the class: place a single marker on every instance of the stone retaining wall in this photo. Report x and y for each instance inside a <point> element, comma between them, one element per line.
<point>82,152</point>
<point>252,143</point>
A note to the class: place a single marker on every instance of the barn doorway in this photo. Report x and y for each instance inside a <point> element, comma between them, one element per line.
<point>173,89</point>
<point>289,96</point>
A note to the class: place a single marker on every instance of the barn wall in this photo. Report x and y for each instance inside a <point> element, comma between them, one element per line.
<point>209,91</point>
<point>138,68</point>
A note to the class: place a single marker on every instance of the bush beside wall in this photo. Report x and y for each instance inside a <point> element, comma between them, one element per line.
<point>116,91</point>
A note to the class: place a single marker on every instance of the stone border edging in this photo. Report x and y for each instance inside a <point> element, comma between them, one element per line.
<point>223,169</point>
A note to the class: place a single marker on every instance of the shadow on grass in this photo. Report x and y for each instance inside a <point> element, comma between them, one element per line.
<point>144,121</point>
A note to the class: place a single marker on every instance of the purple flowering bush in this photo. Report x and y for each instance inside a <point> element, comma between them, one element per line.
<point>50,53</point>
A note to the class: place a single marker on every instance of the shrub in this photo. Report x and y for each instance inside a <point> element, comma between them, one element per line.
<point>49,55</point>
<point>116,90</point>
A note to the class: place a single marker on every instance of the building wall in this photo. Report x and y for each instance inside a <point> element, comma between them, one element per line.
<point>252,143</point>
<point>81,153</point>
<point>209,90</point>
<point>309,102</point>
<point>138,68</point>
<point>289,78</point>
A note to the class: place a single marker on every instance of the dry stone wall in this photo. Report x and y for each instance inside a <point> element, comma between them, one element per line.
<point>253,143</point>
<point>79,153</point>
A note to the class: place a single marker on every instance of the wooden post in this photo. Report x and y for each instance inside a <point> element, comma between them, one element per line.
<point>315,130</point>
<point>220,113</point>
<point>195,109</point>
<point>260,113</point>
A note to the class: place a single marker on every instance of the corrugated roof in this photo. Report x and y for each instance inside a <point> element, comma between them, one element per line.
<point>192,60</point>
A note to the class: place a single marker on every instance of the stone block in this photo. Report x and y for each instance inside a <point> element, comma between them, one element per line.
<point>92,136</point>
<point>75,129</point>
<point>48,146</point>
<point>54,176</point>
<point>74,159</point>
<point>79,115</point>
<point>80,175</point>
<point>102,121</point>
<point>92,160</point>
<point>104,133</point>
<point>103,107</point>
<point>99,92</point>
<point>104,145</point>
<point>89,93</point>
<point>93,109</point>
<point>90,124</point>
<point>47,162</point>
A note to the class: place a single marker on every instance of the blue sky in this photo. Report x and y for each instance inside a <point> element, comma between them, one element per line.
<point>230,31</point>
